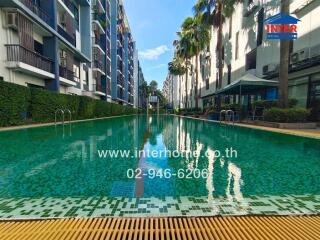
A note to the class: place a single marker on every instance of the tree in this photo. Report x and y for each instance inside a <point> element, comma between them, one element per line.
<point>176,68</point>
<point>153,86</point>
<point>198,33</point>
<point>184,51</point>
<point>222,9</point>
<point>284,63</point>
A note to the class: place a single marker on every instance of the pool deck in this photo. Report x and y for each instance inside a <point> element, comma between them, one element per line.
<point>224,228</point>
<point>309,133</point>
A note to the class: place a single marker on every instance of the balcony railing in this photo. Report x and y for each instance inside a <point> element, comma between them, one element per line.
<point>66,73</point>
<point>99,65</point>
<point>18,53</point>
<point>108,88</point>
<point>37,10</point>
<point>98,87</point>
<point>70,38</point>
<point>69,5</point>
<point>120,80</point>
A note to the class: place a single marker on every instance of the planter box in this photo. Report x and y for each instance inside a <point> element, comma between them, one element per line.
<point>285,125</point>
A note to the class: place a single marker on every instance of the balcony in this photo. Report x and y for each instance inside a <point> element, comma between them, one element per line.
<point>32,62</point>
<point>67,77</point>
<point>98,89</point>
<point>68,4</point>
<point>99,66</point>
<point>38,11</point>
<point>70,38</point>
<point>97,44</point>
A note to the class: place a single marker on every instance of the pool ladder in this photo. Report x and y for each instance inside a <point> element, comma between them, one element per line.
<point>62,114</point>
<point>228,116</point>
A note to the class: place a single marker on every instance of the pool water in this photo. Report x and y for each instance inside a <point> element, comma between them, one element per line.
<point>58,164</point>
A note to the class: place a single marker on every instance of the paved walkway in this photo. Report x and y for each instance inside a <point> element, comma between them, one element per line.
<point>222,228</point>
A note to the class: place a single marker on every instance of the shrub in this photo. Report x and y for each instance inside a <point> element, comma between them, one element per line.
<point>14,104</point>
<point>287,115</point>
<point>315,111</point>
<point>19,105</point>
<point>265,104</point>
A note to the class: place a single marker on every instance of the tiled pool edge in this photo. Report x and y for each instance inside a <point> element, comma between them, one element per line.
<point>37,125</point>
<point>292,132</point>
<point>48,208</point>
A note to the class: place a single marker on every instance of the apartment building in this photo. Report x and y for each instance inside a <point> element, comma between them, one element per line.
<point>122,55</point>
<point>141,100</point>
<point>172,91</point>
<point>67,46</point>
<point>248,54</point>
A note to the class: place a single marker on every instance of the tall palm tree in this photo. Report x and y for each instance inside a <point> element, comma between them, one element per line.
<point>199,35</point>
<point>284,62</point>
<point>177,68</point>
<point>215,12</point>
<point>183,51</point>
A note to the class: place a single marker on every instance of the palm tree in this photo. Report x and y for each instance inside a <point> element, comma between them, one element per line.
<point>199,35</point>
<point>284,63</point>
<point>222,9</point>
<point>176,68</point>
<point>183,51</point>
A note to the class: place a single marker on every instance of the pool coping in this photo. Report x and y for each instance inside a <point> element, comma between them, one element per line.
<point>36,125</point>
<point>293,132</point>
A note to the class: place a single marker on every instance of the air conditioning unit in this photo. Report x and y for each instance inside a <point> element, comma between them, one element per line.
<point>63,19</point>
<point>270,68</point>
<point>299,56</point>
<point>315,52</point>
<point>12,20</point>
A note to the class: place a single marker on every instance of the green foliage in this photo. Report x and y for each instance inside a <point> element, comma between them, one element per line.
<point>270,104</point>
<point>20,105</point>
<point>287,115</point>
<point>14,104</point>
<point>315,111</point>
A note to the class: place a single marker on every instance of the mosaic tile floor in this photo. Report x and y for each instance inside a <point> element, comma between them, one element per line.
<point>168,206</point>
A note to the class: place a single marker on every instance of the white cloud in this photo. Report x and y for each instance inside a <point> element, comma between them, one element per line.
<point>154,53</point>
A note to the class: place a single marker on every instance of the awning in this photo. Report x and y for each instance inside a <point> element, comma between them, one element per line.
<point>247,84</point>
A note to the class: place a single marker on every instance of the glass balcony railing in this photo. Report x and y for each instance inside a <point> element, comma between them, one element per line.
<point>66,73</point>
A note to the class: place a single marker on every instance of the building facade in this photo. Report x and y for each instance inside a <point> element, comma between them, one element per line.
<point>67,46</point>
<point>246,50</point>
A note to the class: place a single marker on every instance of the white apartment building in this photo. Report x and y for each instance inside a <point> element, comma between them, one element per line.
<point>171,91</point>
<point>247,51</point>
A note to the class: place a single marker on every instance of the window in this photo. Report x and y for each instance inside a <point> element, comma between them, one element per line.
<point>251,60</point>
<point>229,74</point>
<point>230,28</point>
<point>260,27</point>
<point>207,84</point>
<point>237,46</point>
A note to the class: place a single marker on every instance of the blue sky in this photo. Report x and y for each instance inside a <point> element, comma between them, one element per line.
<point>154,24</point>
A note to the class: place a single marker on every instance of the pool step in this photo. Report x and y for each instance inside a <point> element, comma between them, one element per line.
<point>245,227</point>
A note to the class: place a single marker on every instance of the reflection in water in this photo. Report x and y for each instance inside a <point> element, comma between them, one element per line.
<point>48,164</point>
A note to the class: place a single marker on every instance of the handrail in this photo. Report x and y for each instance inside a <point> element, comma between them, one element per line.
<point>70,114</point>
<point>220,117</point>
<point>55,116</point>
<point>229,114</point>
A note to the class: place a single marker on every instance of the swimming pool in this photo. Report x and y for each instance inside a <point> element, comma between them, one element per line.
<point>58,171</point>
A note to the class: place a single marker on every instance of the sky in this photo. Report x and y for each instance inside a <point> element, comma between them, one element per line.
<point>154,24</point>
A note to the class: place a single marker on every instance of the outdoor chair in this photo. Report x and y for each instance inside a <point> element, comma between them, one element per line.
<point>257,114</point>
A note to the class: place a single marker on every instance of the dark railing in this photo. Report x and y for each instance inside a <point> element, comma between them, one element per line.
<point>97,40</point>
<point>66,73</point>
<point>120,93</point>
<point>37,10</point>
<point>70,38</point>
<point>86,87</point>
<point>18,53</point>
<point>108,88</point>
<point>99,65</point>
<point>69,5</point>
<point>98,87</point>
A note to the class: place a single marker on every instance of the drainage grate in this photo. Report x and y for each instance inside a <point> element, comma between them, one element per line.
<point>239,228</point>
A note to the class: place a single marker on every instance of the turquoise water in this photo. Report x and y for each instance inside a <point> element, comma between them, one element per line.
<point>64,161</point>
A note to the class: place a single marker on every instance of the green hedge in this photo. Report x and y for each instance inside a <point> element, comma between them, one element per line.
<point>20,105</point>
<point>14,104</point>
<point>288,115</point>
<point>273,104</point>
